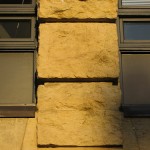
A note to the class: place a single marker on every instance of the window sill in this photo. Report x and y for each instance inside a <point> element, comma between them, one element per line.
<point>17,110</point>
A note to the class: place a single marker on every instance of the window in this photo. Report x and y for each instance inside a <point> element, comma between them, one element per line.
<point>12,32</point>
<point>17,6</point>
<point>135,3</point>
<point>134,50</point>
<point>134,7</point>
<point>134,32</point>
<point>17,58</point>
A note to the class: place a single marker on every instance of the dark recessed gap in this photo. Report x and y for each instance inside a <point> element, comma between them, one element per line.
<point>76,20</point>
<point>75,146</point>
<point>41,81</point>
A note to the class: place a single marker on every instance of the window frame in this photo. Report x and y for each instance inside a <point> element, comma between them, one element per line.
<point>131,43</point>
<point>20,43</point>
<point>21,110</point>
<point>132,109</point>
<point>133,10</point>
<point>18,8</point>
<point>132,7</point>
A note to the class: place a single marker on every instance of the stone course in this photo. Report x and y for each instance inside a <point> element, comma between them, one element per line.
<point>79,114</point>
<point>81,9</point>
<point>78,50</point>
<point>78,96</point>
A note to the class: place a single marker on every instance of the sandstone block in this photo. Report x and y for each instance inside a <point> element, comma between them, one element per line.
<point>12,133</point>
<point>81,50</point>
<point>78,96</point>
<point>81,9</point>
<point>30,136</point>
<point>79,128</point>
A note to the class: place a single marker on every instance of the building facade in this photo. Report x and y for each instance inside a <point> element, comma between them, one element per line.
<point>78,92</point>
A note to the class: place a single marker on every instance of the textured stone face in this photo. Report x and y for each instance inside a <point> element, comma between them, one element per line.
<point>71,50</point>
<point>18,134</point>
<point>83,114</point>
<point>81,128</point>
<point>78,9</point>
<point>78,96</point>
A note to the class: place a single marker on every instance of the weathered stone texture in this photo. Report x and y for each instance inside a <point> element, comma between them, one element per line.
<point>78,9</point>
<point>82,128</point>
<point>30,136</point>
<point>82,114</point>
<point>85,50</point>
<point>78,96</point>
<point>18,134</point>
<point>12,132</point>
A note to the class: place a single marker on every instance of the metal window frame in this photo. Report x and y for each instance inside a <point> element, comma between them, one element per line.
<point>131,43</point>
<point>21,110</point>
<point>18,8</point>
<point>132,109</point>
<point>133,10</point>
<point>20,43</point>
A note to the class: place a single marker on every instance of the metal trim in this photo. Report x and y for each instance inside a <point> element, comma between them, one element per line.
<point>18,8</point>
<point>136,110</point>
<point>130,6</point>
<point>131,43</point>
<point>17,110</point>
<point>21,39</point>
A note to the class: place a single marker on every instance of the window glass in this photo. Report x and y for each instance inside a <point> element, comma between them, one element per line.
<point>136,30</point>
<point>15,28</point>
<point>16,2</point>
<point>16,77</point>
<point>136,2</point>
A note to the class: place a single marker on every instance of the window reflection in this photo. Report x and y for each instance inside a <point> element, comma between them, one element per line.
<point>15,28</point>
<point>16,2</point>
<point>136,30</point>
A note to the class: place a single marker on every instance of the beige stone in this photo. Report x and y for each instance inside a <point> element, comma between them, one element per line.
<point>81,50</point>
<point>12,132</point>
<point>78,96</point>
<point>81,9</point>
<point>81,128</point>
<point>29,141</point>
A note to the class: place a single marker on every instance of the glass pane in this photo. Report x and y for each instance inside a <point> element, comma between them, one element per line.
<point>16,78</point>
<point>15,1</point>
<point>136,2</point>
<point>136,78</point>
<point>15,29</point>
<point>136,30</point>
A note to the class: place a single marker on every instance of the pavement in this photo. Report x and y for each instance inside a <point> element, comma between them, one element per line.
<point>136,133</point>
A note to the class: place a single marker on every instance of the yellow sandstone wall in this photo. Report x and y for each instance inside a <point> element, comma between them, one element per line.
<point>77,39</point>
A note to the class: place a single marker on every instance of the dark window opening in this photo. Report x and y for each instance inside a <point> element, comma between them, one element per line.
<point>136,30</point>
<point>15,29</point>
<point>16,2</point>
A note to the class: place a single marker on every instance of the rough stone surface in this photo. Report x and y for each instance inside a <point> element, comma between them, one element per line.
<point>81,128</point>
<point>12,131</point>
<point>78,96</point>
<point>29,141</point>
<point>81,50</point>
<point>83,114</point>
<point>78,9</point>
